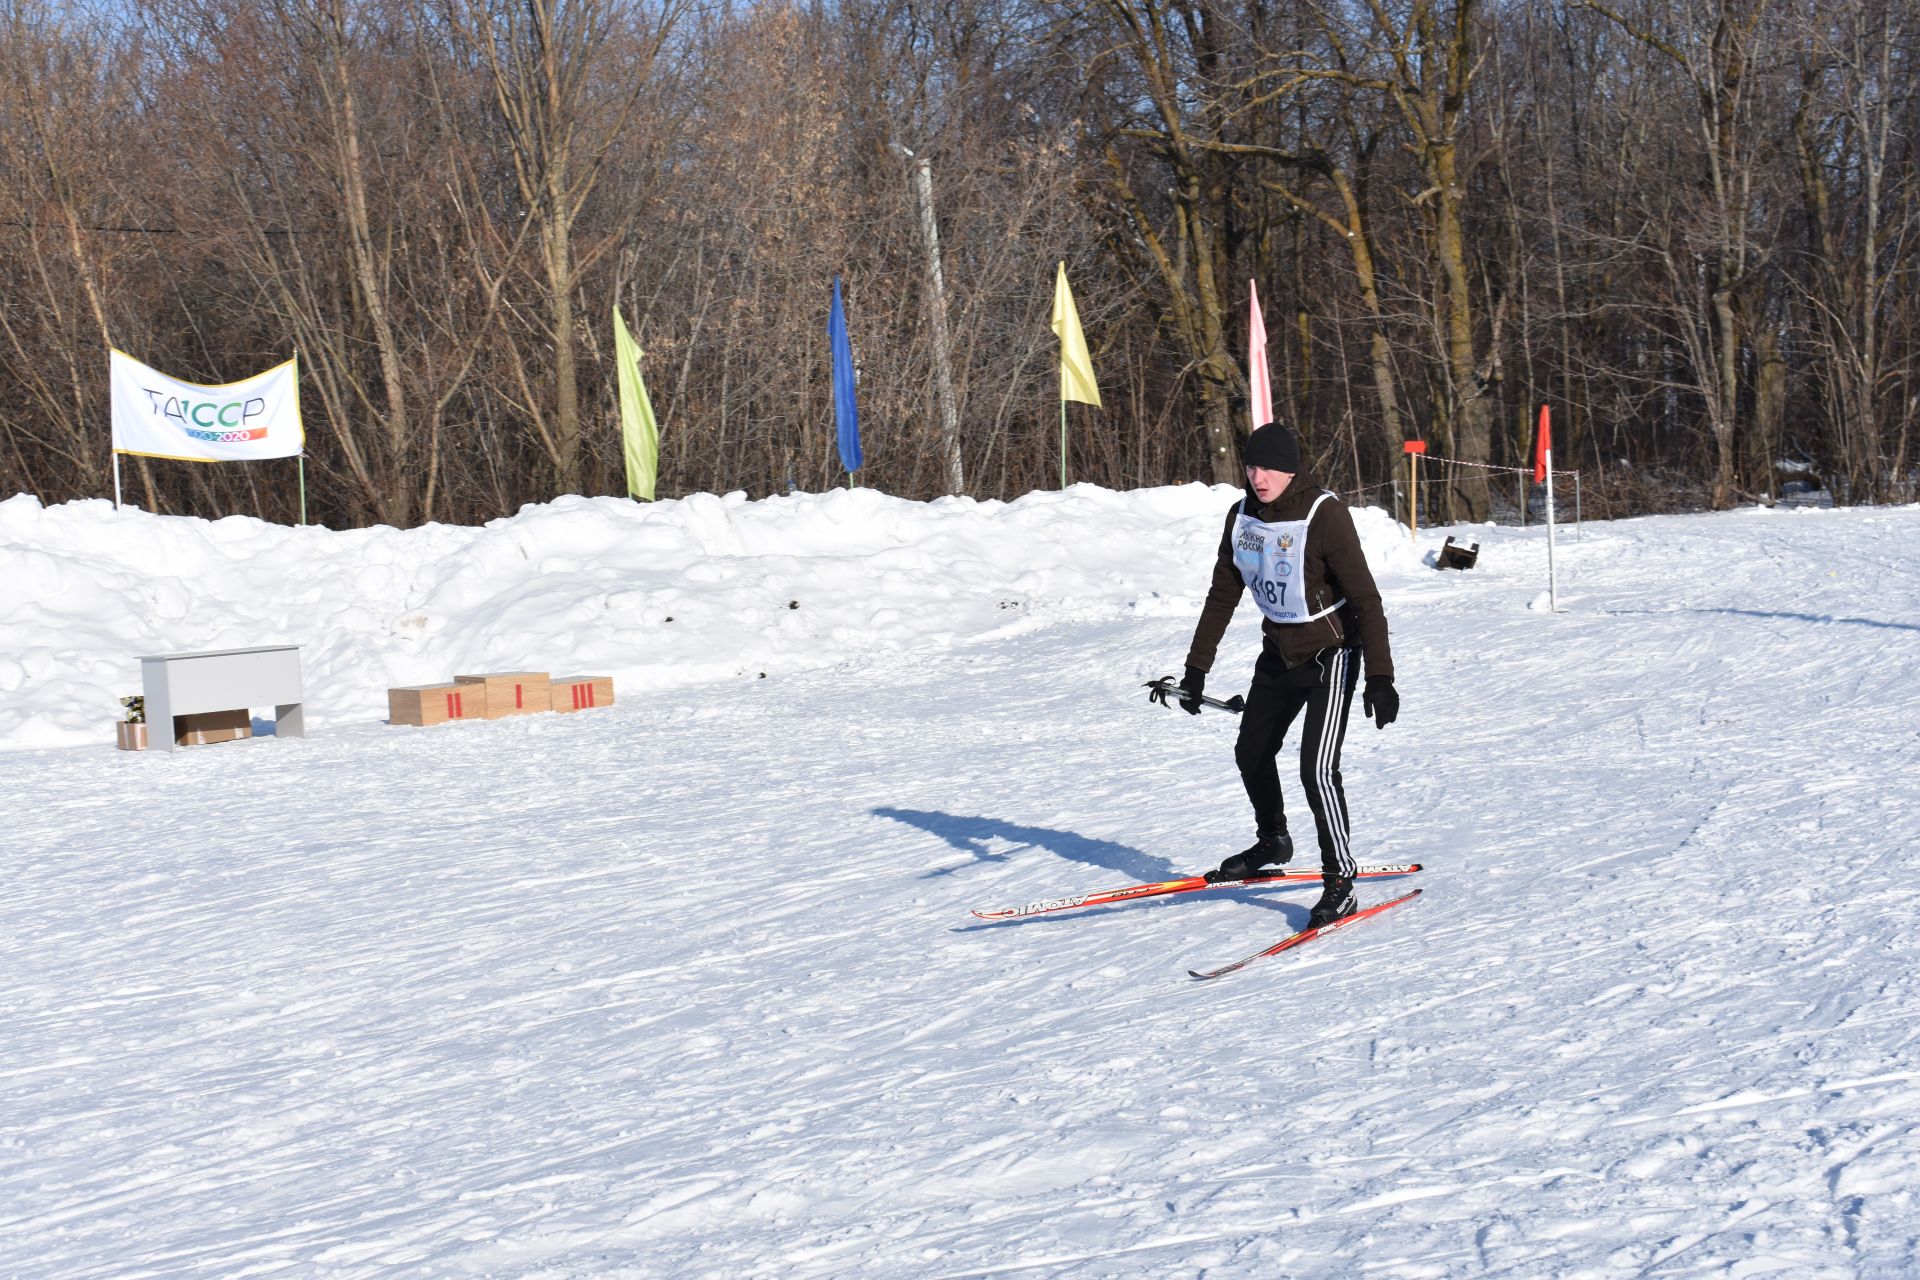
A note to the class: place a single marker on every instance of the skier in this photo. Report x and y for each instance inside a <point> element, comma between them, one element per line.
<point>1292,544</point>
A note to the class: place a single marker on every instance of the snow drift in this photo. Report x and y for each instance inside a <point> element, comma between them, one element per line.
<point>659,596</point>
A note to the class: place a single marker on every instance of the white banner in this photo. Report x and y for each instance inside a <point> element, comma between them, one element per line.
<point>162,417</point>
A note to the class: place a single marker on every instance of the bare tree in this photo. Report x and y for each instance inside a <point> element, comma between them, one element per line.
<point>1713,44</point>
<point>1843,128</point>
<point>567,77</point>
<point>74,237</point>
<point>1164,110</point>
<point>1424,60</point>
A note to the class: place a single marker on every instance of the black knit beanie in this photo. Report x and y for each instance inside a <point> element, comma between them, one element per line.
<point>1272,448</point>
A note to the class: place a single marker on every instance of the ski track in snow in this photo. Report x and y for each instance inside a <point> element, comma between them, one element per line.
<point>688,987</point>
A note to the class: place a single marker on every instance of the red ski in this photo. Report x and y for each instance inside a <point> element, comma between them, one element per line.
<point>1307,935</point>
<point>1186,884</point>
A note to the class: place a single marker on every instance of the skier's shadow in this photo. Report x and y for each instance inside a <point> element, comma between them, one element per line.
<point>978,835</point>
<point>1828,619</point>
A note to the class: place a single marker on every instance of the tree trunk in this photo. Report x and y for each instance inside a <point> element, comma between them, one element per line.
<point>397,479</point>
<point>566,385</point>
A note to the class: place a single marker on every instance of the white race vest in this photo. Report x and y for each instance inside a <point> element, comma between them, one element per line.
<point>1272,558</point>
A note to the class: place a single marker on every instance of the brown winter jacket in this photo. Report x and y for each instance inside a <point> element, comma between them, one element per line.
<point>1336,567</point>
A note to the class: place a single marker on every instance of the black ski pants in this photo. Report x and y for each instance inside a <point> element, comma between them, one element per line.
<point>1323,687</point>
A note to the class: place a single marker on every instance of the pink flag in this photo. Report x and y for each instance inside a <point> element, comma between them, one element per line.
<point>1259,381</point>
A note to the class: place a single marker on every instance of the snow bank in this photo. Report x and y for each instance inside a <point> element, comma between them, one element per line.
<point>675,593</point>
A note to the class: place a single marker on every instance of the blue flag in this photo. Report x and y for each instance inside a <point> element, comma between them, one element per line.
<point>846,414</point>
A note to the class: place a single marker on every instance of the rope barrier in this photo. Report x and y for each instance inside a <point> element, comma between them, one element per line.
<point>1488,466</point>
<point>1393,489</point>
<point>1395,485</point>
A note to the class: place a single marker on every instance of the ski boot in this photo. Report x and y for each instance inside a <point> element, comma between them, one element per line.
<point>1267,851</point>
<point>1336,901</point>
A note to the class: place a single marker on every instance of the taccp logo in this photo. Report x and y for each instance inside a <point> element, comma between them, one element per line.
<point>220,421</point>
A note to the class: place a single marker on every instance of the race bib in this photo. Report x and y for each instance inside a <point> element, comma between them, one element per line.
<point>1272,560</point>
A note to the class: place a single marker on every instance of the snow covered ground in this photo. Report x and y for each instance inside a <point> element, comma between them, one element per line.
<point>688,987</point>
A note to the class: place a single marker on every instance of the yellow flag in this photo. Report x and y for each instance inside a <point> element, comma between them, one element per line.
<point>1076,366</point>
<point>639,433</point>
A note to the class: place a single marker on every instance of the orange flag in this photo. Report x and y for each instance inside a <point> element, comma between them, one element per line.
<point>1542,446</point>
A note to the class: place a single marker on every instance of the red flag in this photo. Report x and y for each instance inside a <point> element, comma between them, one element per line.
<point>1542,446</point>
<point>1259,381</point>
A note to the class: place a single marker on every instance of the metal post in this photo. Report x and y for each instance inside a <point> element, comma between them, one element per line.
<point>1063,439</point>
<point>1553,587</point>
<point>116,479</point>
<point>303,488</point>
<point>937,313</point>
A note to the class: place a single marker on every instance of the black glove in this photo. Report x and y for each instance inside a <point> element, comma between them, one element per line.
<point>1193,684</point>
<point>1380,701</point>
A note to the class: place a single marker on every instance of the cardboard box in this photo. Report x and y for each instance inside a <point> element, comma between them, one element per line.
<point>208,727</point>
<point>130,736</point>
<point>512,693</point>
<point>425,704</point>
<point>577,693</point>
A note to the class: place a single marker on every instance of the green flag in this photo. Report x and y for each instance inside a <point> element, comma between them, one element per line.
<point>639,433</point>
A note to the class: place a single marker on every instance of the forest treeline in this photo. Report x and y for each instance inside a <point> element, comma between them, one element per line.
<point>1688,225</point>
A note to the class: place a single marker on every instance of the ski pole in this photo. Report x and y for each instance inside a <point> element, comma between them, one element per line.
<point>1166,691</point>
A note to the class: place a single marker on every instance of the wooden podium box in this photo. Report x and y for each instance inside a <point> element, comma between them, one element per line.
<point>577,693</point>
<point>427,704</point>
<point>512,693</point>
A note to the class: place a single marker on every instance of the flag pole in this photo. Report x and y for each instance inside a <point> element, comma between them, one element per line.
<point>1413,449</point>
<point>1413,499</point>
<point>303,488</point>
<point>1543,471</point>
<point>1553,584</point>
<point>113,436</point>
<point>1063,440</point>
